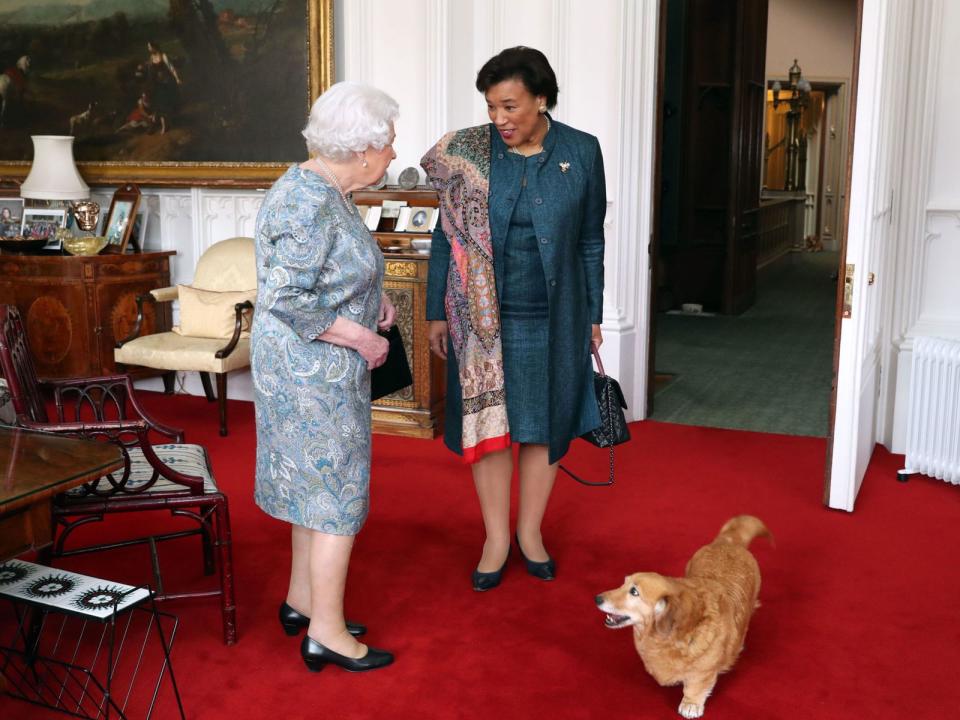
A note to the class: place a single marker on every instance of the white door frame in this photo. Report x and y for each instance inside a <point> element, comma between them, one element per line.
<point>848,422</point>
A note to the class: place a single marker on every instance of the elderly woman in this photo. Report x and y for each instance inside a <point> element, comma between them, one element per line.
<point>516,285</point>
<point>314,341</point>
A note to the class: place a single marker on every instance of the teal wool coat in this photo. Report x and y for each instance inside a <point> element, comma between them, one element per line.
<point>568,201</point>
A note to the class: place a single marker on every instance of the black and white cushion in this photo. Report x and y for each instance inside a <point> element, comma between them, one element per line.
<point>67,591</point>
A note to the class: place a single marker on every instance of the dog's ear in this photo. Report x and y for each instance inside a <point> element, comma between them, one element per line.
<point>664,614</point>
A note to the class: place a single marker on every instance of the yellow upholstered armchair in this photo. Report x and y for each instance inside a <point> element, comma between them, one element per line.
<point>213,332</point>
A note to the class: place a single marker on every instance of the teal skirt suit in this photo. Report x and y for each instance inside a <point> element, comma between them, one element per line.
<point>546,216</point>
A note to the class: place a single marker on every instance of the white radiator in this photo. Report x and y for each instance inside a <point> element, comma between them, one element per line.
<point>933,417</point>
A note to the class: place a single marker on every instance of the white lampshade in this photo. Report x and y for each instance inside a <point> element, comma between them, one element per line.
<point>53,175</point>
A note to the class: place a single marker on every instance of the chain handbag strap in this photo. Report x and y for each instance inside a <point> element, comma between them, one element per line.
<point>610,409</point>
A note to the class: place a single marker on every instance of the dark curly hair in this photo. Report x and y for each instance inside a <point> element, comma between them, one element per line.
<point>528,65</point>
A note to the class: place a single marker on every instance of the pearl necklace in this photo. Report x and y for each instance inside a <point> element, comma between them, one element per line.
<point>328,173</point>
<point>516,149</point>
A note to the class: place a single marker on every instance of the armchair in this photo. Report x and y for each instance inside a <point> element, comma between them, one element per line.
<point>170,475</point>
<point>213,334</point>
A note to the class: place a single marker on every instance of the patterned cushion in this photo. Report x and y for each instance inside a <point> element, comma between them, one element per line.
<point>66,591</point>
<point>170,351</point>
<point>187,459</point>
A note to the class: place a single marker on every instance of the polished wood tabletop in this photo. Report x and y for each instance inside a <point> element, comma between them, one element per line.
<point>36,466</point>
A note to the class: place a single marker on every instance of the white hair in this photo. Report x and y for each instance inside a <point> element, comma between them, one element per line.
<point>349,117</point>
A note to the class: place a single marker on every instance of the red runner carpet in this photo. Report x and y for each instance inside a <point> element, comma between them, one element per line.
<point>859,615</point>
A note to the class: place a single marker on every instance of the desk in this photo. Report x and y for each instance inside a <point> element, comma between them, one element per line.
<point>33,468</point>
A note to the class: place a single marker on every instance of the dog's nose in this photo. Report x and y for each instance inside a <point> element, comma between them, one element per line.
<point>599,599</point>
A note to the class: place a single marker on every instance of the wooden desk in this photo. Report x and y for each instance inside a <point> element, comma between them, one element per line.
<point>33,468</point>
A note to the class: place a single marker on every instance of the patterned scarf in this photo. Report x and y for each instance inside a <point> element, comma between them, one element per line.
<point>458,167</point>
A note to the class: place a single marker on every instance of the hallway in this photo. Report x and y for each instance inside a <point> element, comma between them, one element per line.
<point>766,370</point>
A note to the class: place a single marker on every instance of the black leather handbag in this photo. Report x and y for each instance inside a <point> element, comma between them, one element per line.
<point>613,428</point>
<point>394,374</point>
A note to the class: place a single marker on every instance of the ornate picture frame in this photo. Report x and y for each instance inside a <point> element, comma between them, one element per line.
<point>214,99</point>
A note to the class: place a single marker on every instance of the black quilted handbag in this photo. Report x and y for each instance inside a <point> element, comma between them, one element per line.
<point>613,428</point>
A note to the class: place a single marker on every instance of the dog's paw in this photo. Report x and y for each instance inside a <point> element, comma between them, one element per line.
<point>690,710</point>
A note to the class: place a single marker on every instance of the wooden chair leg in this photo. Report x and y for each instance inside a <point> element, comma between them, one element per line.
<point>207,532</point>
<point>225,549</point>
<point>222,399</point>
<point>207,386</point>
<point>170,382</point>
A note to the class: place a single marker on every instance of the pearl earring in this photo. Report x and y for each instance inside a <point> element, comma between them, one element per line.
<point>543,108</point>
<point>363,162</point>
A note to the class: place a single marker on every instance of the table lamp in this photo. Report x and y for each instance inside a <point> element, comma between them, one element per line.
<point>54,176</point>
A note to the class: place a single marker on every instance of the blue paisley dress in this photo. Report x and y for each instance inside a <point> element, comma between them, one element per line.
<point>316,261</point>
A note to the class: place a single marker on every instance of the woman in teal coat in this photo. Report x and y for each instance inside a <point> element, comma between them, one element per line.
<point>515,296</point>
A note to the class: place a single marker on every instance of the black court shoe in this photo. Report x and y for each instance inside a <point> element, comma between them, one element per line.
<point>546,570</point>
<point>316,656</point>
<point>293,622</point>
<point>487,581</point>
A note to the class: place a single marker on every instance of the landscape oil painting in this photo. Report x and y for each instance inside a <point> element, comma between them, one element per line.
<point>191,92</point>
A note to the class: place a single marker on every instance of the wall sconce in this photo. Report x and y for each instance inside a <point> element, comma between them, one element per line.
<point>54,176</point>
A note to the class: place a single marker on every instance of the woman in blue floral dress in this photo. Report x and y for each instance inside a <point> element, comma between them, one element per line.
<point>320,302</point>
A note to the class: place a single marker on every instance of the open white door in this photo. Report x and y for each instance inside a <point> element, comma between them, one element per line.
<point>877,159</point>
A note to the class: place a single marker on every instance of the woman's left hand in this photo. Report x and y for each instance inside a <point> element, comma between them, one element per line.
<point>596,337</point>
<point>388,313</point>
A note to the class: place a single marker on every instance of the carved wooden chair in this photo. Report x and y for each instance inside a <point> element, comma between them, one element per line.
<point>170,475</point>
<point>212,336</point>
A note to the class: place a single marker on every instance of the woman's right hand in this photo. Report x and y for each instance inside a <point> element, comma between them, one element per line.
<point>373,348</point>
<point>437,337</point>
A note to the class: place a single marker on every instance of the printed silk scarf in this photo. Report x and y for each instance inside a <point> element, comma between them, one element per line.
<point>458,167</point>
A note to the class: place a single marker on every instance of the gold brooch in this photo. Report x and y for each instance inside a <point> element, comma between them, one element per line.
<point>564,166</point>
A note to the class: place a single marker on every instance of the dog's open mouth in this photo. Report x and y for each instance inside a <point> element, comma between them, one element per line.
<point>615,621</point>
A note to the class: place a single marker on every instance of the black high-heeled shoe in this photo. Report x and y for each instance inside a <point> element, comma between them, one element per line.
<point>546,570</point>
<point>293,622</point>
<point>487,581</point>
<point>316,656</point>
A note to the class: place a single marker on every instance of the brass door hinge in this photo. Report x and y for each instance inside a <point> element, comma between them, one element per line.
<point>848,291</point>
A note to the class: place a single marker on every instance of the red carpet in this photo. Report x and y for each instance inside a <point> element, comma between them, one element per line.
<point>859,612</point>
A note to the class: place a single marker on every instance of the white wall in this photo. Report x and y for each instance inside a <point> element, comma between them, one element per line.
<point>928,256</point>
<point>818,33</point>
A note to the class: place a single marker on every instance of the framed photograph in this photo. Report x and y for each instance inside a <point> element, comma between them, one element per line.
<point>42,223</point>
<point>421,219</point>
<point>164,93</point>
<point>138,234</point>
<point>11,217</point>
<point>403,220</point>
<point>120,219</point>
<point>372,218</point>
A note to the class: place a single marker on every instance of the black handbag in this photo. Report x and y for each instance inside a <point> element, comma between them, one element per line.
<point>394,374</point>
<point>613,428</point>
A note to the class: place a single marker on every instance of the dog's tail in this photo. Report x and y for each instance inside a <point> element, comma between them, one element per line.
<point>742,529</point>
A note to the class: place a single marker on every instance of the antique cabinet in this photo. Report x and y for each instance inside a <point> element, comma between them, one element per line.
<point>416,411</point>
<point>76,308</point>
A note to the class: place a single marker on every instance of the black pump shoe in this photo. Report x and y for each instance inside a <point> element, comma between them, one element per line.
<point>293,622</point>
<point>316,656</point>
<point>546,570</point>
<point>487,581</point>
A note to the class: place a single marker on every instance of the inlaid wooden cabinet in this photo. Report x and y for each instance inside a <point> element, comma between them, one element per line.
<point>75,308</point>
<point>416,411</point>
